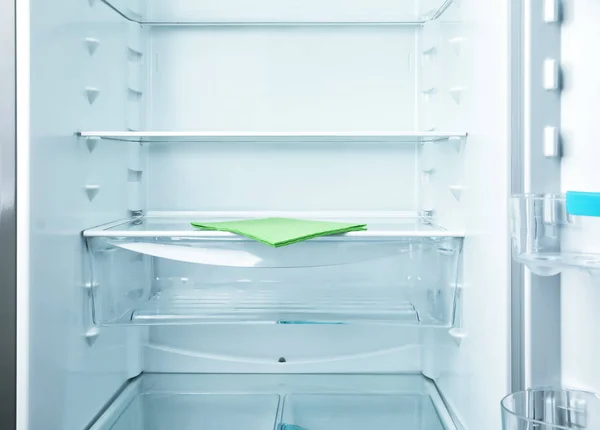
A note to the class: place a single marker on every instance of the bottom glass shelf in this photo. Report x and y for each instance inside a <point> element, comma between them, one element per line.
<point>359,412</point>
<point>277,402</point>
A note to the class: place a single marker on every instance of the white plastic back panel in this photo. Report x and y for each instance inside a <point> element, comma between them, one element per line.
<point>283,78</point>
<point>288,10</point>
<point>305,348</point>
<point>71,189</point>
<point>279,177</point>
<point>580,295</point>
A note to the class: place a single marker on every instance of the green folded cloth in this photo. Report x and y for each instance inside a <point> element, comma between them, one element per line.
<point>281,231</point>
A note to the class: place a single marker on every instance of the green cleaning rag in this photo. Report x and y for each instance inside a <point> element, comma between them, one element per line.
<point>281,231</point>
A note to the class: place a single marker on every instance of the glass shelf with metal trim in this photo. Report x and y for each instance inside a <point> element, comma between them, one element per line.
<point>399,137</point>
<point>160,270</point>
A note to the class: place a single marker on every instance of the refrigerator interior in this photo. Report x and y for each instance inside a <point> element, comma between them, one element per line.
<point>389,113</point>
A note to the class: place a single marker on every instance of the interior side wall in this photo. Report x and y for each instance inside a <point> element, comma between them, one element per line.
<point>79,72</point>
<point>472,369</point>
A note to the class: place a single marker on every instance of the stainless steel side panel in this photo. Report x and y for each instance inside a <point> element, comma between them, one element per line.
<point>7,215</point>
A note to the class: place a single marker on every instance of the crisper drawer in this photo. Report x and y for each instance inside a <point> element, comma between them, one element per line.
<point>194,277</point>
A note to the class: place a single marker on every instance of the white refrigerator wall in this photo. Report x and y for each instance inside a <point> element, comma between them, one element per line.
<point>306,79</point>
<point>472,44</point>
<point>580,295</point>
<point>472,49</point>
<point>62,166</point>
<point>297,78</point>
<point>79,74</point>
<point>287,10</point>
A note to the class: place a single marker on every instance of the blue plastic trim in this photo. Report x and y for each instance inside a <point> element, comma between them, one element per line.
<point>583,204</point>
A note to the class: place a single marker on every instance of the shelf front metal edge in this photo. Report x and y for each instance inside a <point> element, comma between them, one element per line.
<point>268,136</point>
<point>364,235</point>
<point>94,231</point>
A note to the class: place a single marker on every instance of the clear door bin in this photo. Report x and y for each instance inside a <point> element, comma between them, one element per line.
<point>359,412</point>
<point>548,239</point>
<point>550,409</point>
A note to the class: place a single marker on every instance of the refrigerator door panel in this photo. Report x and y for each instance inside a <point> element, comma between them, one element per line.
<point>580,296</point>
<point>540,173</point>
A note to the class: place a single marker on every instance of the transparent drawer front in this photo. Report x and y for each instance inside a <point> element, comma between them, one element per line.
<point>547,238</point>
<point>359,412</point>
<point>415,285</point>
<point>550,410</point>
<point>200,411</point>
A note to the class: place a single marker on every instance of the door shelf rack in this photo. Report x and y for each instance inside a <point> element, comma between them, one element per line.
<point>548,239</point>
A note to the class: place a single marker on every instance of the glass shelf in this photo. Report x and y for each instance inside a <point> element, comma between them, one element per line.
<point>274,137</point>
<point>173,238</point>
<point>208,411</point>
<point>549,240</point>
<point>162,271</point>
<point>280,12</point>
<point>359,412</point>
<point>280,401</point>
<point>381,225</point>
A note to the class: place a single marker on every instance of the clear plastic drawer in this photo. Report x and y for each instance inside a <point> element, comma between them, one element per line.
<point>148,277</point>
